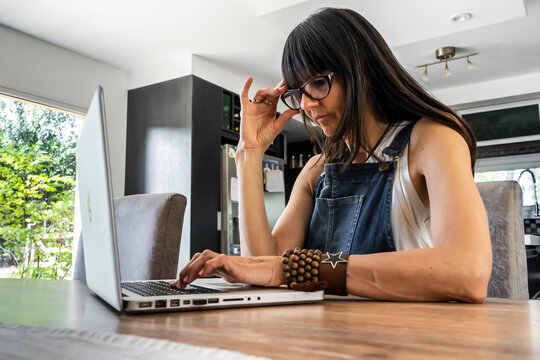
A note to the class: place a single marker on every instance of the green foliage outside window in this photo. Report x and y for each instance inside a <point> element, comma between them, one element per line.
<point>37,190</point>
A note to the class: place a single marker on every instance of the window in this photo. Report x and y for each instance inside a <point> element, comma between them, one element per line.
<point>529,188</point>
<point>37,189</point>
<point>504,123</point>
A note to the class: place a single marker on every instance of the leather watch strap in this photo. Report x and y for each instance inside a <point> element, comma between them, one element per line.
<point>333,270</point>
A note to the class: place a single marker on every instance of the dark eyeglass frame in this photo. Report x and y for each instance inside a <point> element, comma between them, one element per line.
<point>301,90</point>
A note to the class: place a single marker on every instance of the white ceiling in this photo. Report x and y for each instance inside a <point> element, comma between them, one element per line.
<point>248,35</point>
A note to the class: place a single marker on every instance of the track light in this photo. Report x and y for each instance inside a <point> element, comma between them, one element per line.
<point>444,55</point>
<point>470,65</point>
<point>446,69</point>
<point>425,76</point>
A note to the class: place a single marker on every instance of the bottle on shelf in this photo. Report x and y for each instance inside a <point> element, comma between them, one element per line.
<point>226,111</point>
<point>301,161</point>
<point>292,163</point>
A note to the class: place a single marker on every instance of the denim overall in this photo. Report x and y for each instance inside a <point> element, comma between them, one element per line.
<point>353,209</point>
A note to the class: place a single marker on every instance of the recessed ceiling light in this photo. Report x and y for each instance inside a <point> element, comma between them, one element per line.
<point>459,18</point>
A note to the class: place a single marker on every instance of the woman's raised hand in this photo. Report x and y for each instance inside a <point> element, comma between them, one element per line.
<point>259,125</point>
<point>261,270</point>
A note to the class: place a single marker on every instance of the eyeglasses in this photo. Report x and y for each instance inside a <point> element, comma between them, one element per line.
<point>316,89</point>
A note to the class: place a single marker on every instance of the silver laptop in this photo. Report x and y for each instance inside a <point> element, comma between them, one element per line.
<point>101,250</point>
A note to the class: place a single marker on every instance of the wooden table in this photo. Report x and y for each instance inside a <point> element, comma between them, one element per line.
<point>334,329</point>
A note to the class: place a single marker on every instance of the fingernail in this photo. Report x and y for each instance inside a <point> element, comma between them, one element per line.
<point>185,279</point>
<point>201,272</point>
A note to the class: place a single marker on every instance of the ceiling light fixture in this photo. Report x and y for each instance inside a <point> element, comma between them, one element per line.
<point>470,65</point>
<point>444,55</point>
<point>425,76</point>
<point>459,18</point>
<point>446,69</point>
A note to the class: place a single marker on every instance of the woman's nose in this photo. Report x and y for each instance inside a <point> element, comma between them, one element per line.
<point>308,102</point>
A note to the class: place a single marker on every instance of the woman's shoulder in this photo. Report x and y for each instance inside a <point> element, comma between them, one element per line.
<point>431,139</point>
<point>316,160</point>
<point>425,124</point>
<point>311,171</point>
<point>428,132</point>
<point>314,166</point>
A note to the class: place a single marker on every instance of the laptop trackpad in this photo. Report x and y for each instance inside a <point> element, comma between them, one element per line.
<point>222,285</point>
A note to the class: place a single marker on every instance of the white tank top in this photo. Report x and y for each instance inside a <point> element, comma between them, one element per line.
<point>410,219</point>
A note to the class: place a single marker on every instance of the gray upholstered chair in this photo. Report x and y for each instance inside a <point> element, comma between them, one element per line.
<point>503,202</point>
<point>148,230</point>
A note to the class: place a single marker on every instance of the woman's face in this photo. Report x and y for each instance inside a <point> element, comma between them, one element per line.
<point>326,113</point>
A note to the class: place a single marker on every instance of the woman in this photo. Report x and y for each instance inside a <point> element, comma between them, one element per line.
<point>395,173</point>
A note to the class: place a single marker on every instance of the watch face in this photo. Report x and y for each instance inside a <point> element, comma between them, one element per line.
<point>89,207</point>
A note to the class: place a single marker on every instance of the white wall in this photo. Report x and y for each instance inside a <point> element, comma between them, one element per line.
<point>173,67</point>
<point>523,87</point>
<point>180,65</point>
<point>39,71</point>
<point>225,77</point>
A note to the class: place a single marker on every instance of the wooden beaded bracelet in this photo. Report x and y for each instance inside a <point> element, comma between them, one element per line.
<point>301,265</point>
<point>311,270</point>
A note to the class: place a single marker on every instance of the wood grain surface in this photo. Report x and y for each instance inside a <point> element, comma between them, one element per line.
<point>333,329</point>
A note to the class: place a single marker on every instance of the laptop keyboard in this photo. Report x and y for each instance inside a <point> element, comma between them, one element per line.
<point>158,288</point>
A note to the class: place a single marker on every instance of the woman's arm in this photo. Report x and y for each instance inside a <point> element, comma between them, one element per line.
<point>258,129</point>
<point>459,267</point>
<point>291,228</point>
<point>255,234</point>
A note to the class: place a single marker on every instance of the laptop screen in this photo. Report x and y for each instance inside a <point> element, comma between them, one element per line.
<point>97,211</point>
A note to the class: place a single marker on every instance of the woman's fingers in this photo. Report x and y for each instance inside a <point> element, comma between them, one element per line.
<point>244,95</point>
<point>179,283</point>
<point>262,96</point>
<point>191,270</point>
<point>284,118</point>
<point>265,96</point>
<point>196,266</point>
<point>220,265</point>
<point>280,85</point>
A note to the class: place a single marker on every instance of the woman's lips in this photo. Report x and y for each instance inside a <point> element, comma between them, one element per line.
<point>320,119</point>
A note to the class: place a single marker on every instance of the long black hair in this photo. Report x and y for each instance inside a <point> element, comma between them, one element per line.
<point>345,43</point>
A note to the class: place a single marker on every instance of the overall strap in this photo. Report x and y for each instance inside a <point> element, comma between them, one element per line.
<point>400,141</point>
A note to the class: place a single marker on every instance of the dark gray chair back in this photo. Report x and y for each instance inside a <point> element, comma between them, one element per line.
<point>503,202</point>
<point>148,231</point>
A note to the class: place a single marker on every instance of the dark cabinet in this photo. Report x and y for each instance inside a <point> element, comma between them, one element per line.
<point>173,144</point>
<point>230,106</point>
<point>175,130</point>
